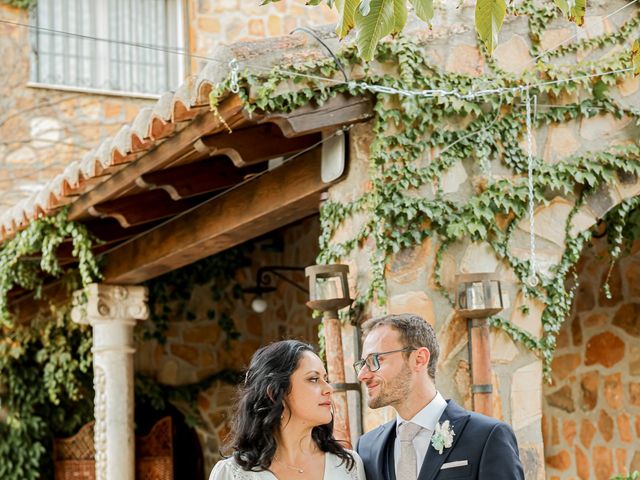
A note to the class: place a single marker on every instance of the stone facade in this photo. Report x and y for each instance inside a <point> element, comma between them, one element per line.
<point>215,22</point>
<point>591,423</point>
<point>43,130</point>
<point>196,349</point>
<point>517,373</point>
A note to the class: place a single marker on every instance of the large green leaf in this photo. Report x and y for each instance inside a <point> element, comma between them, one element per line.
<point>382,18</point>
<point>489,17</point>
<point>573,9</point>
<point>399,15</point>
<point>346,16</point>
<point>423,8</point>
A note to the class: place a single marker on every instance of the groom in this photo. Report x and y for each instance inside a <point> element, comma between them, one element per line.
<point>431,438</point>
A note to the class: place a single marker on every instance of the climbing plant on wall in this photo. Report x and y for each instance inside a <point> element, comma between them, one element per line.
<point>20,3</point>
<point>375,19</point>
<point>418,138</point>
<point>45,365</point>
<point>46,377</point>
<point>169,294</point>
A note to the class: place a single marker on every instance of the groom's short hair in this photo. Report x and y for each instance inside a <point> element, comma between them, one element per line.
<point>414,332</point>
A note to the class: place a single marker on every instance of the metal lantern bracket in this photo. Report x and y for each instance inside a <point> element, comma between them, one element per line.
<point>265,281</point>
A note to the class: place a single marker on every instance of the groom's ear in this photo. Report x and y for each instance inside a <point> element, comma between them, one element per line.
<point>422,358</point>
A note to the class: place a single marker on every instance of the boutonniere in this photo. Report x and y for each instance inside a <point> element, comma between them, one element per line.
<point>442,436</point>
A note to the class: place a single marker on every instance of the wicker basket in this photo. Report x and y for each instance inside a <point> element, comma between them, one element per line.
<point>154,452</point>
<point>74,457</point>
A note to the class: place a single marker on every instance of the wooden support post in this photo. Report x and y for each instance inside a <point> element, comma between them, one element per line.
<point>335,366</point>
<point>480,357</point>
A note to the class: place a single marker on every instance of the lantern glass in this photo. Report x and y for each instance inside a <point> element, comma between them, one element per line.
<point>478,295</point>
<point>328,287</point>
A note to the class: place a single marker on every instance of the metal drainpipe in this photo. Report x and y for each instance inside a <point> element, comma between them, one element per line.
<point>480,360</point>
<point>335,365</point>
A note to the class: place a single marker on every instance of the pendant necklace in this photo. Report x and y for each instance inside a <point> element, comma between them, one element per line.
<point>291,467</point>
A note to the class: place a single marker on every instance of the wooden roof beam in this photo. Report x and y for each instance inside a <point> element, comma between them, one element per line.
<point>197,178</point>
<point>255,144</point>
<point>276,198</point>
<point>142,208</point>
<point>336,112</point>
<point>165,154</point>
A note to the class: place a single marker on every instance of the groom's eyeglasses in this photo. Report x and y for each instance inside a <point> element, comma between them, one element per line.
<point>372,361</point>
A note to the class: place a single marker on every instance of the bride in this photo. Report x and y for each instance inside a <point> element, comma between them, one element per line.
<point>283,428</point>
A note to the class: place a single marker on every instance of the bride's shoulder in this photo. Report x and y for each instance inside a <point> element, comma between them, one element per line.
<point>228,469</point>
<point>355,473</point>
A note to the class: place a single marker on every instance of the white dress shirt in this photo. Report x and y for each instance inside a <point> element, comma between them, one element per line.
<point>427,418</point>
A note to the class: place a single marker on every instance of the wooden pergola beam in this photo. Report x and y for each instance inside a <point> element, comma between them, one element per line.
<point>163,156</point>
<point>274,199</point>
<point>196,178</point>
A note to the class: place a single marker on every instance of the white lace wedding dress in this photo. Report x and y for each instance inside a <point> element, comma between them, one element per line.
<point>228,469</point>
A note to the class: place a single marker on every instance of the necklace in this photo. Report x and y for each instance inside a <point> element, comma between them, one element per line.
<point>291,467</point>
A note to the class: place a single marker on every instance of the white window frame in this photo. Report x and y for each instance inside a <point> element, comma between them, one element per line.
<point>177,64</point>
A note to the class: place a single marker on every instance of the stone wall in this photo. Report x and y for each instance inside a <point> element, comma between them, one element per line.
<point>411,286</point>
<point>196,349</point>
<point>43,130</point>
<point>591,423</point>
<point>215,22</point>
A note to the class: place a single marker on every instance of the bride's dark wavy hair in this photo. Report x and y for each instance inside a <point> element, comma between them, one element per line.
<point>261,405</point>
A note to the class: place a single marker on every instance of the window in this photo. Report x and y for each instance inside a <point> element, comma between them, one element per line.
<point>132,59</point>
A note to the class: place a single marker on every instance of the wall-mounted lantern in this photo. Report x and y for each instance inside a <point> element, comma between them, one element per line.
<point>328,288</point>
<point>265,283</point>
<point>328,293</point>
<point>478,296</point>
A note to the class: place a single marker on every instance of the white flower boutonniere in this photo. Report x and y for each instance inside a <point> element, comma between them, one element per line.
<point>442,436</point>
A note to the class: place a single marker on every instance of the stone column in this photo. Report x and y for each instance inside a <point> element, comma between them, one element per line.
<point>112,311</point>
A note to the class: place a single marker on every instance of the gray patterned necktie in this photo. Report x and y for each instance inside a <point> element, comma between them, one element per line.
<point>407,462</point>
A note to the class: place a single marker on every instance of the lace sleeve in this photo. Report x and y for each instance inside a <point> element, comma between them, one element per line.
<point>357,473</point>
<point>229,470</point>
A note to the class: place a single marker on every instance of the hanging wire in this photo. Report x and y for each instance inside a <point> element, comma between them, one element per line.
<point>532,280</point>
<point>308,31</point>
<point>363,85</point>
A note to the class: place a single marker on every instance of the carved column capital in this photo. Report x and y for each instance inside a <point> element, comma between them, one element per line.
<point>112,303</point>
<point>112,311</point>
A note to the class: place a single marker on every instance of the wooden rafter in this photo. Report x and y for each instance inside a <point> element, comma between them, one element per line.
<point>274,199</point>
<point>256,144</point>
<point>336,112</point>
<point>163,156</point>
<point>208,175</point>
<point>141,208</point>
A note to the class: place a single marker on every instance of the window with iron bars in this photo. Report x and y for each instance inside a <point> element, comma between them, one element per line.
<point>111,46</point>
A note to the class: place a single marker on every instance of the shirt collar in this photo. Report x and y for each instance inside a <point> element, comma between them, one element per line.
<point>429,415</point>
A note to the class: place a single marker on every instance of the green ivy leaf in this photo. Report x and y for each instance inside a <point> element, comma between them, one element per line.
<point>635,57</point>
<point>574,10</point>
<point>489,17</point>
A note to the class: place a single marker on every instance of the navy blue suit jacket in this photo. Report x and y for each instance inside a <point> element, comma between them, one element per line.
<point>488,445</point>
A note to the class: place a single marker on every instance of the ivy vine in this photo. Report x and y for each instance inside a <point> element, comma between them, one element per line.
<point>24,4</point>
<point>406,203</point>
<point>46,378</point>
<point>169,294</point>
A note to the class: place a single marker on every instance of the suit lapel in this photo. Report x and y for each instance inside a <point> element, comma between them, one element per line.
<point>458,418</point>
<point>384,461</point>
